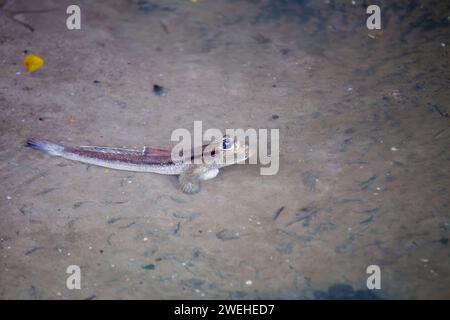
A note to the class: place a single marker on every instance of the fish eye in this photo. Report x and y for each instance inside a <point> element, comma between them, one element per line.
<point>227,143</point>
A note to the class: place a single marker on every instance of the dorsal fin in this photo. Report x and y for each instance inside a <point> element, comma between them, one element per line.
<point>155,152</point>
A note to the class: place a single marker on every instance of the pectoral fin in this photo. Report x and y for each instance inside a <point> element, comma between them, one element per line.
<point>188,183</point>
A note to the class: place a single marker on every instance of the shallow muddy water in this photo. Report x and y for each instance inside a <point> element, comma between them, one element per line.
<point>364,150</point>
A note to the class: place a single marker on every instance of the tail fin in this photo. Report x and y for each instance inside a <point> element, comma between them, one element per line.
<point>45,146</point>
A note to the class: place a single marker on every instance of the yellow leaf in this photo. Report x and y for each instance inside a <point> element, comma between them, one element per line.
<point>32,62</point>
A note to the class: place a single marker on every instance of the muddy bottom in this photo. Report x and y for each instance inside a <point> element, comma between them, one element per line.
<point>364,122</point>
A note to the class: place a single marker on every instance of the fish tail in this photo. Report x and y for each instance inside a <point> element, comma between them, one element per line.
<point>45,146</point>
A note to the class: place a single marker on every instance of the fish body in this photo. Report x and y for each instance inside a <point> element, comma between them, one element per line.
<point>146,160</point>
<point>114,158</point>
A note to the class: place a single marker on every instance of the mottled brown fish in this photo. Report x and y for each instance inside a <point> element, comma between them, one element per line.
<point>155,160</point>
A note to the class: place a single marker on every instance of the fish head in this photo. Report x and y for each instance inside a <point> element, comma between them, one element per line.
<point>232,150</point>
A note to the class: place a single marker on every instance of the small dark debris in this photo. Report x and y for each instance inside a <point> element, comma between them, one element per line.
<point>33,292</point>
<point>349,200</point>
<point>177,229</point>
<point>120,226</point>
<point>187,216</point>
<point>349,131</point>
<point>366,184</point>
<point>115,202</point>
<point>45,191</point>
<point>275,117</point>
<point>108,240</point>
<point>112,220</point>
<point>309,180</point>
<point>146,7</point>
<point>159,90</point>
<point>367,221</point>
<point>195,253</point>
<point>178,200</point>
<point>76,205</point>
<point>25,210</point>
<point>439,110</point>
<point>226,235</point>
<point>260,38</point>
<point>92,297</point>
<point>341,291</point>
<point>28,252</point>
<point>305,215</point>
<point>164,27</point>
<point>285,51</point>
<point>277,213</point>
<point>126,226</point>
<point>96,81</point>
<point>150,266</point>
<point>372,211</point>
